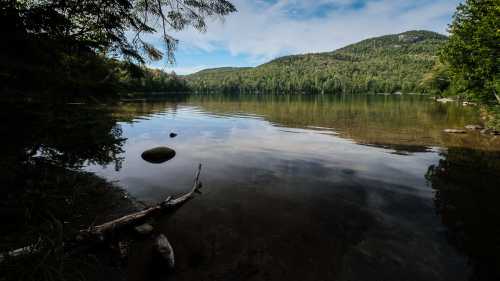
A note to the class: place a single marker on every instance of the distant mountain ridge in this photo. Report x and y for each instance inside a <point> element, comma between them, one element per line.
<point>221,69</point>
<point>387,64</point>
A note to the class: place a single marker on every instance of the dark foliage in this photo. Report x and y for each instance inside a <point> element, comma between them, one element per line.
<point>151,80</point>
<point>45,196</point>
<point>65,45</point>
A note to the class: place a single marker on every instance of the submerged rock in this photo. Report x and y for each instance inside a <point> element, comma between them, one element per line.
<point>158,155</point>
<point>454,131</point>
<point>165,250</point>
<point>144,229</point>
<point>474,127</point>
<point>173,135</point>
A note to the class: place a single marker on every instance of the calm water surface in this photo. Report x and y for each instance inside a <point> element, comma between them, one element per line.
<point>361,187</point>
<point>249,139</point>
<point>314,187</point>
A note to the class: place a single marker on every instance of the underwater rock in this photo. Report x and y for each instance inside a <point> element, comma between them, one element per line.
<point>144,229</point>
<point>165,250</point>
<point>173,135</point>
<point>158,155</point>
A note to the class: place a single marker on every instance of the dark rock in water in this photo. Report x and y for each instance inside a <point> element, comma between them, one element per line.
<point>173,135</point>
<point>144,229</point>
<point>158,155</point>
<point>454,131</point>
<point>165,250</point>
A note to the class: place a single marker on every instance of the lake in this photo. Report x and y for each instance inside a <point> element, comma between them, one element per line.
<point>304,187</point>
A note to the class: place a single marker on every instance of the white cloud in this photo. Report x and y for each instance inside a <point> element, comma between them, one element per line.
<point>263,30</point>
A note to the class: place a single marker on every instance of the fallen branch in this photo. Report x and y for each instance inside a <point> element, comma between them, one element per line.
<point>103,231</point>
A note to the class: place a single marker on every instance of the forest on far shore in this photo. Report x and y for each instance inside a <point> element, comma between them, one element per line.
<point>86,48</point>
<point>387,64</point>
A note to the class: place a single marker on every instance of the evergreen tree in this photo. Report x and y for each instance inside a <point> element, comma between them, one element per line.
<point>67,44</point>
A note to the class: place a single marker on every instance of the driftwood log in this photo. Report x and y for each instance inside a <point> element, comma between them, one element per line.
<point>103,231</point>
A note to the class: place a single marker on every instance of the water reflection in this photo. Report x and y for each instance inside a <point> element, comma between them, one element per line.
<point>467,189</point>
<point>41,185</point>
<point>299,187</point>
<point>366,119</point>
<point>66,135</point>
<point>295,187</point>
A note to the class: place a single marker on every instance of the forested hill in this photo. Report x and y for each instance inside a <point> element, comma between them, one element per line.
<point>385,64</point>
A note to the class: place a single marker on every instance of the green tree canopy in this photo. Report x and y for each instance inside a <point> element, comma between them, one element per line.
<point>473,50</point>
<point>385,64</point>
<point>72,40</point>
<point>104,24</point>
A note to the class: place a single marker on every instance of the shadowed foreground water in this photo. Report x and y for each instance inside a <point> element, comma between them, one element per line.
<point>311,187</point>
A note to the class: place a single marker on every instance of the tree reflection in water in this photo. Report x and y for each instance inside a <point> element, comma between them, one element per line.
<point>466,184</point>
<point>44,195</point>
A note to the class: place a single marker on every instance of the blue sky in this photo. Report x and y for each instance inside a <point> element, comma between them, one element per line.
<point>265,29</point>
